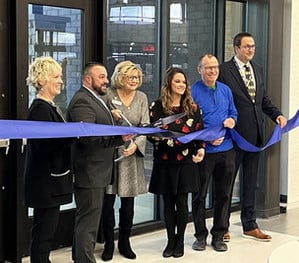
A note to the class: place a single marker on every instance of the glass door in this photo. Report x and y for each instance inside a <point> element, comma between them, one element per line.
<point>64,30</point>
<point>57,32</point>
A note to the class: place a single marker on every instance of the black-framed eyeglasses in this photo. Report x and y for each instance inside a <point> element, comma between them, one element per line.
<point>247,47</point>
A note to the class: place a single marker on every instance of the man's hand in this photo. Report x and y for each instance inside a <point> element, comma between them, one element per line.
<point>217,142</point>
<point>282,121</point>
<point>229,123</point>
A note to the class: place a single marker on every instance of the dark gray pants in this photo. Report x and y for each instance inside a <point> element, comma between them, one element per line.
<point>89,204</point>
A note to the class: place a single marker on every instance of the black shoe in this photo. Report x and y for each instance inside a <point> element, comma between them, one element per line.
<point>108,251</point>
<point>219,245</point>
<point>125,249</point>
<point>168,251</point>
<point>199,244</point>
<point>178,250</point>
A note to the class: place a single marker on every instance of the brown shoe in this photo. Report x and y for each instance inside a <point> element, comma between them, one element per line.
<point>226,237</point>
<point>257,234</point>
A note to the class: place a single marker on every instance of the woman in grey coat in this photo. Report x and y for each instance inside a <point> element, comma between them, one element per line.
<point>130,108</point>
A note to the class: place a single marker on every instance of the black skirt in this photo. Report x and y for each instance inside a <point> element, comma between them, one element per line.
<point>174,178</point>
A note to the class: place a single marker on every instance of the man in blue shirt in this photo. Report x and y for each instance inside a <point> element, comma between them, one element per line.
<point>216,102</point>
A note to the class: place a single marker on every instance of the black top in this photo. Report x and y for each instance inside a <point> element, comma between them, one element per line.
<point>173,169</point>
<point>48,176</point>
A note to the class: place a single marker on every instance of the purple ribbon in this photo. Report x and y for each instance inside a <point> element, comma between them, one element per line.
<point>219,131</point>
<point>19,129</point>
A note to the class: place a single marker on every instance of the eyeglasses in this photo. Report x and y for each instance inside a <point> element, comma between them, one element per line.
<point>211,68</point>
<point>131,78</point>
<point>247,47</point>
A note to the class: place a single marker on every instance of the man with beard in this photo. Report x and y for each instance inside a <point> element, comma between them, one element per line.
<point>92,160</point>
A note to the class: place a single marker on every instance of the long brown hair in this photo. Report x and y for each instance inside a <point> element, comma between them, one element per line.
<point>186,103</point>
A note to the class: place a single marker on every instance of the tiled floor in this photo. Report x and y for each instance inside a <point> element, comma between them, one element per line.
<point>283,248</point>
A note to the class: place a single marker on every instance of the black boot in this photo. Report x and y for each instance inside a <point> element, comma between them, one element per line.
<point>126,213</point>
<point>170,228</point>
<point>108,251</point>
<point>108,223</point>
<point>181,222</point>
<point>124,246</point>
<point>178,248</point>
<point>170,223</point>
<point>168,251</point>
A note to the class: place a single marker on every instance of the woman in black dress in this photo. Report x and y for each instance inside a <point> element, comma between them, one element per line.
<point>175,168</point>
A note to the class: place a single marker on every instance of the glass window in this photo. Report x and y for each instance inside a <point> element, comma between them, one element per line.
<point>176,13</point>
<point>132,31</point>
<point>132,14</point>
<point>192,27</point>
<point>234,23</point>
<point>191,35</point>
<point>56,32</point>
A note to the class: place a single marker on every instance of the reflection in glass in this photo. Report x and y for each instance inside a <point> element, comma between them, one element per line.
<point>234,16</point>
<point>192,27</point>
<point>56,32</point>
<point>234,21</point>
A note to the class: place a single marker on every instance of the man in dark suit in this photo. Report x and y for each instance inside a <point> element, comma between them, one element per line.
<point>92,160</point>
<point>245,78</point>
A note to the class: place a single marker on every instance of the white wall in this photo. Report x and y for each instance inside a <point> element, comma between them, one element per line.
<point>290,102</point>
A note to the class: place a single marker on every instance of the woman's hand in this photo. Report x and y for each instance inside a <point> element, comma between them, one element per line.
<point>199,156</point>
<point>116,113</point>
<point>130,150</point>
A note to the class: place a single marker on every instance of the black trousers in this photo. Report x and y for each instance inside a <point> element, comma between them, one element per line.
<point>221,168</point>
<point>248,163</point>
<point>45,221</point>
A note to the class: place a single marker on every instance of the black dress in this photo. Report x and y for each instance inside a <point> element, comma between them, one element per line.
<point>173,169</point>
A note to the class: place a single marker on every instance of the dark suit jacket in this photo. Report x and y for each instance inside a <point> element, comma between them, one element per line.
<point>250,115</point>
<point>92,156</point>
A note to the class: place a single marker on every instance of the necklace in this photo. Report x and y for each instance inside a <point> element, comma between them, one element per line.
<point>126,98</point>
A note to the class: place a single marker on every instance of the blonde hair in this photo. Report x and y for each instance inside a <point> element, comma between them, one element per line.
<point>122,70</point>
<point>40,70</point>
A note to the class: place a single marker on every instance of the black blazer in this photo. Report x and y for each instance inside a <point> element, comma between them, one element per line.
<point>92,156</point>
<point>48,175</point>
<point>250,115</point>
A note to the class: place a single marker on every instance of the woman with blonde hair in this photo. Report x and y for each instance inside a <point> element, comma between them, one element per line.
<point>130,108</point>
<point>48,176</point>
